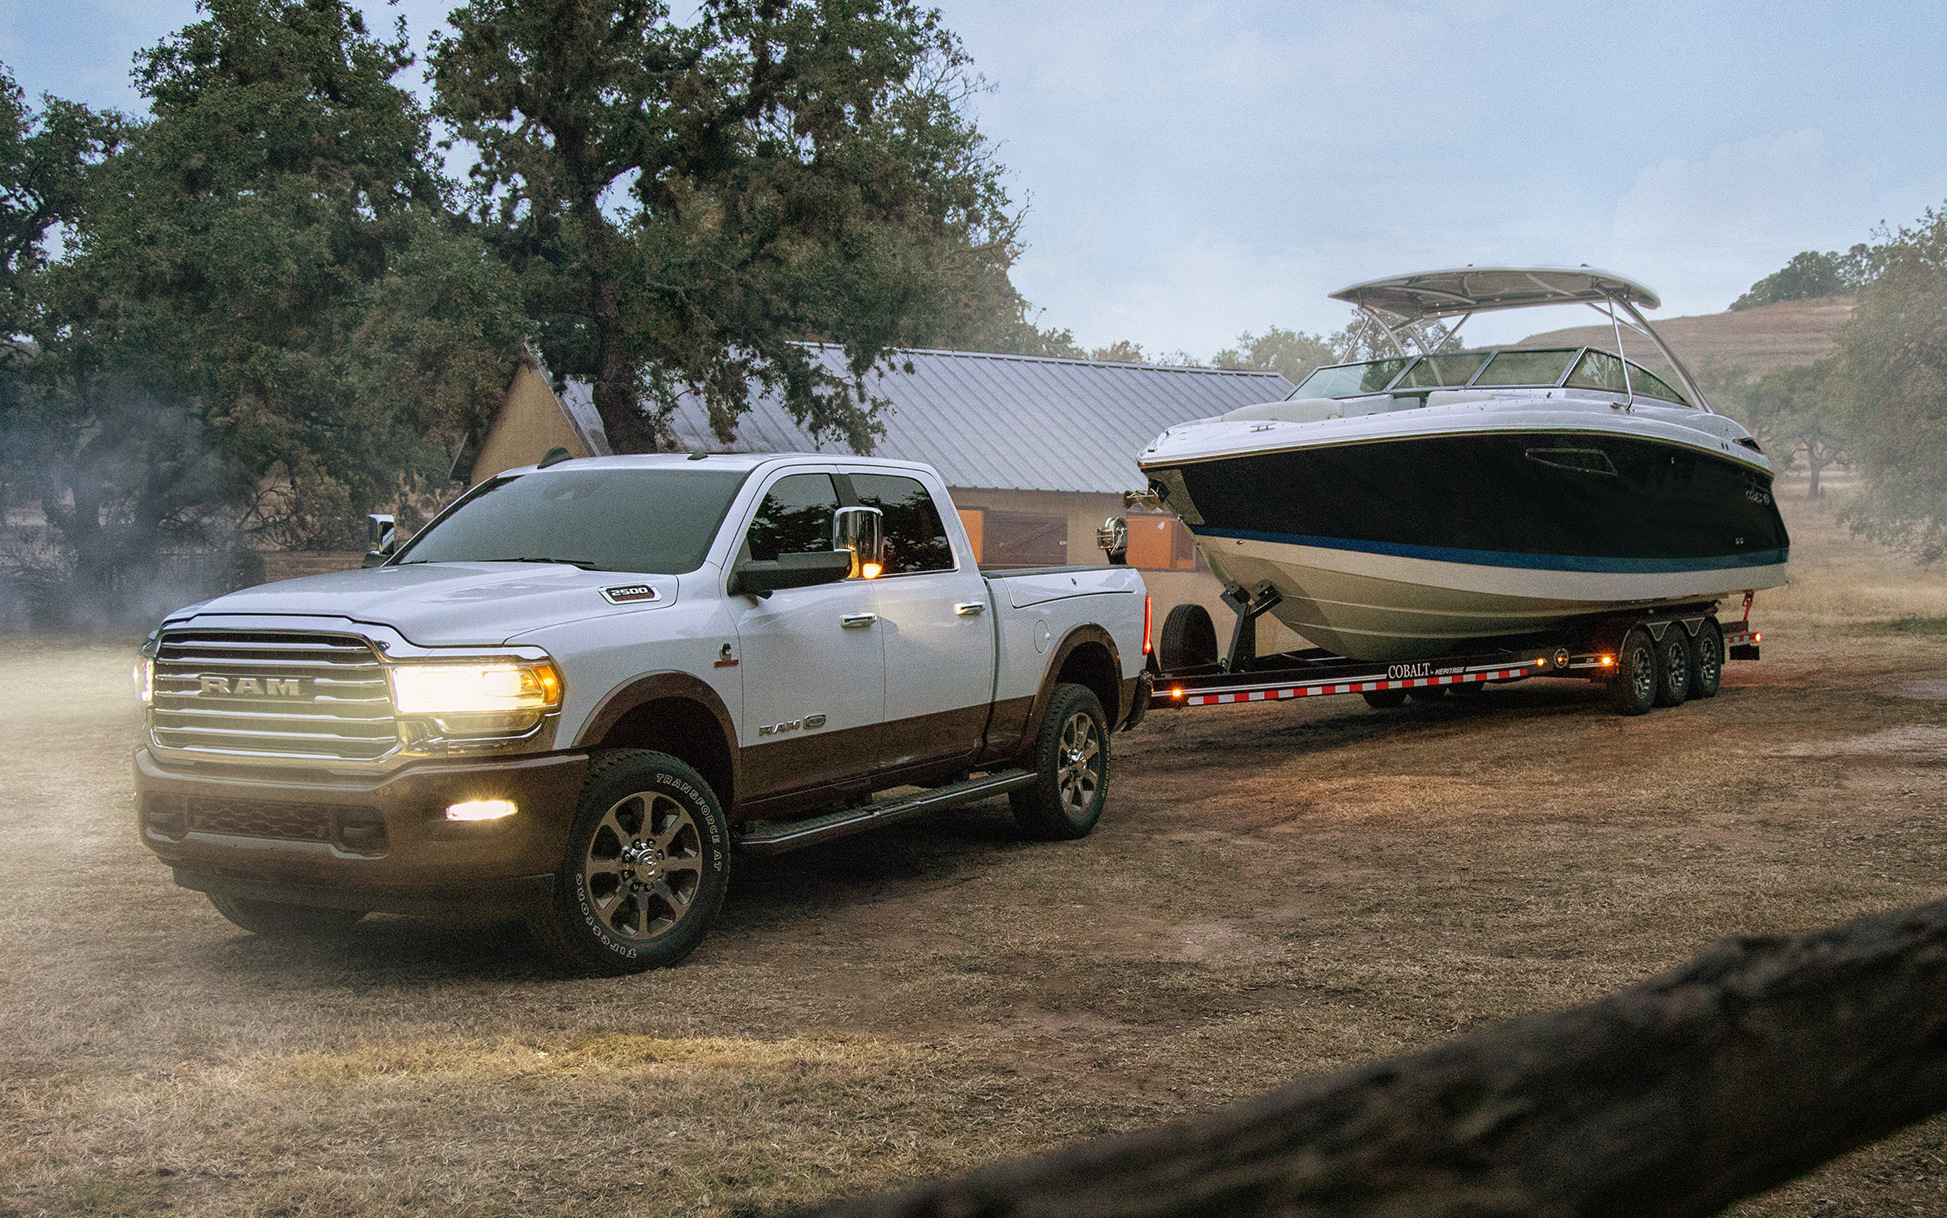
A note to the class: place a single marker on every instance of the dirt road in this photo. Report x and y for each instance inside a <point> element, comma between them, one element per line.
<point>1276,891</point>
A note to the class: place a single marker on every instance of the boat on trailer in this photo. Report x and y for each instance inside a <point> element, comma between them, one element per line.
<point>1439,501</point>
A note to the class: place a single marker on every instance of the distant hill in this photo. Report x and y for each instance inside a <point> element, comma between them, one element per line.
<point>1761,339</point>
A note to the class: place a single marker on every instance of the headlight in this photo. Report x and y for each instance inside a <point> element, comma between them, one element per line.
<point>478,699</point>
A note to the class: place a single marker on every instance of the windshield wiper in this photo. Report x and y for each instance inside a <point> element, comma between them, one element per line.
<point>583,563</point>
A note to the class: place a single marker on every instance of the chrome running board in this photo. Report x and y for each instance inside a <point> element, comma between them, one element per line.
<point>775,837</point>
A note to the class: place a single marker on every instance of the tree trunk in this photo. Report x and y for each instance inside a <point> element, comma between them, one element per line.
<point>617,396</point>
<point>1752,1064</point>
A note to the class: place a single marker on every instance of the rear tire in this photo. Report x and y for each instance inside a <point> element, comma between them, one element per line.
<point>1071,769</point>
<point>1384,699</point>
<point>1189,639</point>
<point>1707,659</point>
<point>1632,691</point>
<point>1673,666</point>
<point>647,866</point>
<point>274,920</point>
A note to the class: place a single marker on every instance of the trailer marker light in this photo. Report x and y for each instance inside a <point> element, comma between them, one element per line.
<point>1608,660</point>
<point>1177,692</point>
<point>1757,636</point>
<point>481,809</point>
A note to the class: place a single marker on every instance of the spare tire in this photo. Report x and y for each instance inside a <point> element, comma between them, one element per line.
<point>1189,639</point>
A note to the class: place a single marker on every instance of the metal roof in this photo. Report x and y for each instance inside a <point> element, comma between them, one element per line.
<point>1006,422</point>
<point>1479,289</point>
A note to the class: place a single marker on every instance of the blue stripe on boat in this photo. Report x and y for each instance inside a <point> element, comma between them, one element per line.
<point>1505,558</point>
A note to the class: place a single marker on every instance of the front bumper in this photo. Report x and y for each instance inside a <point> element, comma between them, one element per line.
<point>378,844</point>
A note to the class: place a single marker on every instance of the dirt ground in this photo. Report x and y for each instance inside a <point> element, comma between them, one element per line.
<point>1276,891</point>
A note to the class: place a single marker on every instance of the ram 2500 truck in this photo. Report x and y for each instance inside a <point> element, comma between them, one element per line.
<point>581,690</point>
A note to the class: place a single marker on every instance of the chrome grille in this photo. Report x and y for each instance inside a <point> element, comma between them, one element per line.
<point>237,693</point>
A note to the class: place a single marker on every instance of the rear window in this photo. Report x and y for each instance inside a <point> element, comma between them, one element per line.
<point>652,521</point>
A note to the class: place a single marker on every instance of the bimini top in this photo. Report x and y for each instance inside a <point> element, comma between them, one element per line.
<point>1477,289</point>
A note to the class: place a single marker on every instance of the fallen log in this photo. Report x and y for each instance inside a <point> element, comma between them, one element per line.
<point>1755,1062</point>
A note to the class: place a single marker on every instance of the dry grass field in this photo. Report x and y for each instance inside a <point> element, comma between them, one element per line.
<point>1276,891</point>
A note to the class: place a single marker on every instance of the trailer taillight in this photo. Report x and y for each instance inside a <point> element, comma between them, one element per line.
<point>1149,611</point>
<point>1608,661</point>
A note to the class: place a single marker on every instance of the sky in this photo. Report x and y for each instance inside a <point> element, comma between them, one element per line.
<point>1192,171</point>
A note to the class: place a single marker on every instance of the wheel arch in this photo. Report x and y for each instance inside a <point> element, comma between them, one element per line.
<point>673,713</point>
<point>1087,657</point>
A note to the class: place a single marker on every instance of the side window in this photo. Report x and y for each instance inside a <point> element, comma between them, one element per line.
<point>915,539</point>
<point>795,517</point>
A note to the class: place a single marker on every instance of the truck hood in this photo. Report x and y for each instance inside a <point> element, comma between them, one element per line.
<point>452,604</point>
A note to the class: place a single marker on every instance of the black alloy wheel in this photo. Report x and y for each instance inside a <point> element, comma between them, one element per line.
<point>1673,666</point>
<point>647,866</point>
<point>1707,659</point>
<point>1632,690</point>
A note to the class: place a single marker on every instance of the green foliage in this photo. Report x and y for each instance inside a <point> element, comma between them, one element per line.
<point>684,203</point>
<point>265,322</point>
<point>45,159</point>
<point>1890,388</point>
<point>1811,274</point>
<point>1291,353</point>
<point>1789,411</point>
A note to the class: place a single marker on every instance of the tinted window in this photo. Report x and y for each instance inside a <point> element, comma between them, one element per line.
<point>1349,380</point>
<point>915,539</point>
<point>1598,370</point>
<point>1526,368</point>
<point>1440,371</point>
<point>795,517</point>
<point>1655,386</point>
<point>656,521</point>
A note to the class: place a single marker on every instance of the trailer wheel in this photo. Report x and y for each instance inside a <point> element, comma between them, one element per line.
<point>1189,639</point>
<point>1384,699</point>
<point>1632,691</point>
<point>1707,659</point>
<point>1673,667</point>
<point>647,865</point>
<point>1071,768</point>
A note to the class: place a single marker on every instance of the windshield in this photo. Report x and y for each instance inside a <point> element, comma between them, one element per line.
<point>652,521</point>
<point>1349,380</point>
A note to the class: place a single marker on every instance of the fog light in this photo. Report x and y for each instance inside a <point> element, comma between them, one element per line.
<point>481,809</point>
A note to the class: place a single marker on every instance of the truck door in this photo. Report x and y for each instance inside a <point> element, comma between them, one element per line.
<point>938,628</point>
<point>812,660</point>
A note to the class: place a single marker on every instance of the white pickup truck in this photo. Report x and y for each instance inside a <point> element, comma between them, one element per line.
<point>582,689</point>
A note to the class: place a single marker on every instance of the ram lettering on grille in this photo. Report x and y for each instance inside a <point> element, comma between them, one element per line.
<point>264,687</point>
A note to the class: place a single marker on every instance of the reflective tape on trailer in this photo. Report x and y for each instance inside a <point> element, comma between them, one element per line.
<point>1316,688</point>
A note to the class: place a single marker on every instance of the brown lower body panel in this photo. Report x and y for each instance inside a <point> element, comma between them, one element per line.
<point>382,843</point>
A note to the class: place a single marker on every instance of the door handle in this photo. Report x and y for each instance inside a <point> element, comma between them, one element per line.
<point>970,609</point>
<point>854,621</point>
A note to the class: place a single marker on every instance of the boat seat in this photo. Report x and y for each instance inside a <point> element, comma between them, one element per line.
<point>1295,410</point>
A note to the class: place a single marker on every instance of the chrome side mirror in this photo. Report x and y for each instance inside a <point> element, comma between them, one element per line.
<point>382,535</point>
<point>858,529</point>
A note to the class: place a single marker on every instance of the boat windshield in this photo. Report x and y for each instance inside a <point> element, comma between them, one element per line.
<point>1442,371</point>
<point>1585,368</point>
<point>1350,380</point>
<point>1602,370</point>
<point>1527,368</point>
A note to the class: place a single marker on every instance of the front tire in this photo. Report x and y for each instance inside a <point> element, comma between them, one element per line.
<point>647,867</point>
<point>1071,769</point>
<point>275,920</point>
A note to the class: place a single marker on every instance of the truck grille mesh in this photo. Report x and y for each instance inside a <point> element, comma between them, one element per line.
<point>358,829</point>
<point>235,693</point>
